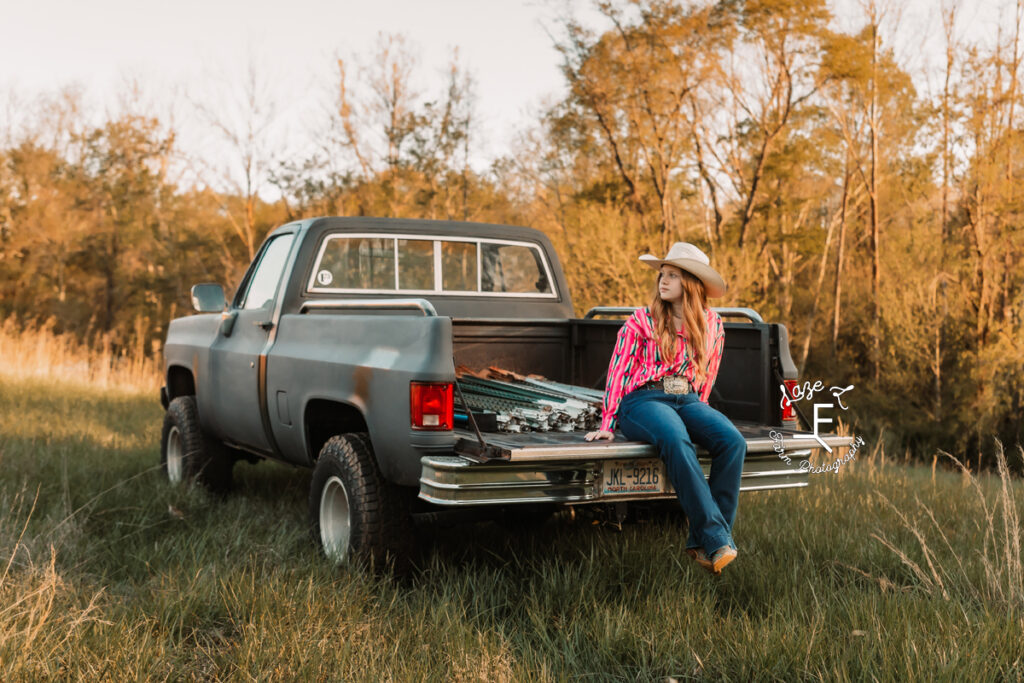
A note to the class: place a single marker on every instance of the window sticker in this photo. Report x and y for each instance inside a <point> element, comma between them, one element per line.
<point>324,277</point>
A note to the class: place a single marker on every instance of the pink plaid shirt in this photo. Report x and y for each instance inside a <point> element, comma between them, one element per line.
<point>637,360</point>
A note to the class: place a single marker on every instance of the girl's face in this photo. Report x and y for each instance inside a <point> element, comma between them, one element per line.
<point>670,284</point>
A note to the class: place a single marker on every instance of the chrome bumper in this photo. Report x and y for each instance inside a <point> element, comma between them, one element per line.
<point>454,480</point>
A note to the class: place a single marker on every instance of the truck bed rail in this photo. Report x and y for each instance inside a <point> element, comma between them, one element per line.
<point>422,305</point>
<point>724,311</point>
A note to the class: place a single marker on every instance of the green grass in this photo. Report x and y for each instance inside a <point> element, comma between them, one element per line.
<point>112,573</point>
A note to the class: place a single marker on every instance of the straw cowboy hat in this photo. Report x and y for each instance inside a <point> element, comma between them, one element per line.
<point>691,259</point>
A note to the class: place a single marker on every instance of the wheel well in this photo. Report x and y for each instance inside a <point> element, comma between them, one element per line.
<point>324,419</point>
<point>180,382</point>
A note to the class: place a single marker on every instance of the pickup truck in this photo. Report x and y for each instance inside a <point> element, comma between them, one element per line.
<point>339,350</point>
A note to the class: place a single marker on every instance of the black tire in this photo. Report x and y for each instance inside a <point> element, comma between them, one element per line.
<point>189,456</point>
<point>354,514</point>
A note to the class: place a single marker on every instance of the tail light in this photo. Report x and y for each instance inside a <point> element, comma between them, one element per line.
<point>432,405</point>
<point>788,412</point>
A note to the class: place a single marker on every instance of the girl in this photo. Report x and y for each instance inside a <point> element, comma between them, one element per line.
<point>660,376</point>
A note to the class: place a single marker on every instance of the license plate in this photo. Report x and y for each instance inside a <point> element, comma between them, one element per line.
<point>629,477</point>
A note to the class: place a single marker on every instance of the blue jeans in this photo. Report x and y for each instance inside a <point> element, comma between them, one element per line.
<point>672,423</point>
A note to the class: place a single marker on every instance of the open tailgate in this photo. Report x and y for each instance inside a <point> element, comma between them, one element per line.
<point>563,467</point>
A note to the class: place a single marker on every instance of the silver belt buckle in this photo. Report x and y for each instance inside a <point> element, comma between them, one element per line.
<point>676,385</point>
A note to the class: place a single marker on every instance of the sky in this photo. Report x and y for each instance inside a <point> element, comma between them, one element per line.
<point>190,51</point>
<point>178,49</point>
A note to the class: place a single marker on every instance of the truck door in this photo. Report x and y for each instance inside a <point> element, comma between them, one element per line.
<point>240,347</point>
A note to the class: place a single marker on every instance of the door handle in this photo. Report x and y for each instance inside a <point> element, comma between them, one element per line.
<point>264,324</point>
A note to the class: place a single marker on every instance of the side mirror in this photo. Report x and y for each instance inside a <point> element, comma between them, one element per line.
<point>208,298</point>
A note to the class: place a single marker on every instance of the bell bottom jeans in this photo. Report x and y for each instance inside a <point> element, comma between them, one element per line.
<point>673,423</point>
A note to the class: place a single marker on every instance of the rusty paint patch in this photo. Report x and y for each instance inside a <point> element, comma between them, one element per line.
<point>361,382</point>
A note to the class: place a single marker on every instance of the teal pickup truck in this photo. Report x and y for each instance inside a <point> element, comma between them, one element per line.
<point>339,351</point>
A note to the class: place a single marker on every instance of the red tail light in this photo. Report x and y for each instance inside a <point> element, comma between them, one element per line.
<point>432,405</point>
<point>788,412</point>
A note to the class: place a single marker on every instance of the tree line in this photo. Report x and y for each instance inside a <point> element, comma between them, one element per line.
<point>879,221</point>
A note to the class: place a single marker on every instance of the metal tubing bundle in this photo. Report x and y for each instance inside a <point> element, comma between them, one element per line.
<point>526,404</point>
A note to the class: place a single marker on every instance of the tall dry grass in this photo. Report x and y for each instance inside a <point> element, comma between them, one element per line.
<point>39,352</point>
<point>991,573</point>
<point>109,573</point>
<point>42,609</point>
<point>40,612</point>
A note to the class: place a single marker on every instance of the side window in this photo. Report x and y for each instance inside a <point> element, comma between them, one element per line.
<point>263,284</point>
<point>512,268</point>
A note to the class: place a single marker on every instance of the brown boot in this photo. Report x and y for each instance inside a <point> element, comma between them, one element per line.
<point>701,558</point>
<point>721,557</point>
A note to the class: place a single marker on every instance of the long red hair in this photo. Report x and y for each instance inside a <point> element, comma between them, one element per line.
<point>695,326</point>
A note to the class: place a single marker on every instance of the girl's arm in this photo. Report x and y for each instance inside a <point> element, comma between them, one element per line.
<point>619,369</point>
<point>714,360</point>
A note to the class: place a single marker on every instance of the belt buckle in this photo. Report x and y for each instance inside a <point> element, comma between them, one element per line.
<point>676,385</point>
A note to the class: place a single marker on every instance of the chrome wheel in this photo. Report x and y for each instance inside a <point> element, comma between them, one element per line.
<point>335,520</point>
<point>175,456</point>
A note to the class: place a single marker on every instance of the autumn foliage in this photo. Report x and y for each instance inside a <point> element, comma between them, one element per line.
<point>873,209</point>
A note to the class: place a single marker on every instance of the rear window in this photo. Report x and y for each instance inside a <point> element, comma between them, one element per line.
<point>511,268</point>
<point>350,263</point>
<point>359,263</point>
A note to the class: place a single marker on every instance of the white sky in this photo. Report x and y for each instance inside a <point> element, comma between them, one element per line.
<point>176,49</point>
<point>182,49</point>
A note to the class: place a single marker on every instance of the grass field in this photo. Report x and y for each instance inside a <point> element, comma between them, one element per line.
<point>107,572</point>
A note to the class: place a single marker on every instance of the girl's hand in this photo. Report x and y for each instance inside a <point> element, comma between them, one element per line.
<point>599,435</point>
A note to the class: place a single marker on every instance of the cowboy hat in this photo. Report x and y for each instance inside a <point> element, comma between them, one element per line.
<point>691,259</point>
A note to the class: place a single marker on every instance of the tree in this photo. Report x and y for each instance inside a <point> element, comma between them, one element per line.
<point>243,114</point>
<point>631,98</point>
<point>388,149</point>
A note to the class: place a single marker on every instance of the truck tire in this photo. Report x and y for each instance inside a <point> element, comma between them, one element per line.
<point>354,514</point>
<point>187,455</point>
